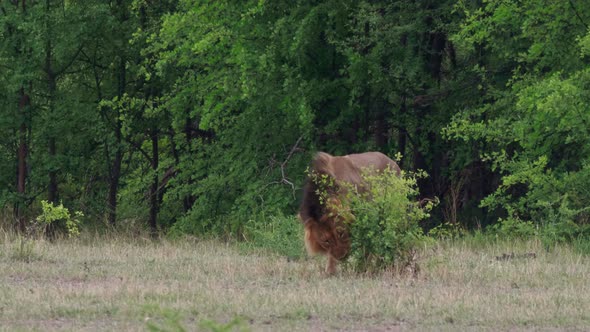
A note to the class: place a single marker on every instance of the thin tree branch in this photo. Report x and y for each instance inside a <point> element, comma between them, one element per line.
<point>284,179</point>
<point>72,59</point>
<point>578,14</point>
<point>138,147</point>
<point>405,131</point>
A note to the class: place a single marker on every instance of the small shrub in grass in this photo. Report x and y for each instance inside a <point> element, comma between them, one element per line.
<point>447,231</point>
<point>554,233</point>
<point>57,215</point>
<point>567,231</point>
<point>278,234</point>
<point>237,324</point>
<point>582,245</point>
<point>385,231</point>
<point>512,228</point>
<point>171,320</point>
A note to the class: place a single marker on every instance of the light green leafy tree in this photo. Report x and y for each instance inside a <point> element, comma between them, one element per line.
<point>533,126</point>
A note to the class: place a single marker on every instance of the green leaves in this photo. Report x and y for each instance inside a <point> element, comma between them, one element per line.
<point>208,98</point>
<point>52,215</point>
<point>534,125</point>
<point>385,229</point>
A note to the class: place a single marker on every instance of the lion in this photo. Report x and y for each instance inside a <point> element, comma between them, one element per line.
<point>325,220</point>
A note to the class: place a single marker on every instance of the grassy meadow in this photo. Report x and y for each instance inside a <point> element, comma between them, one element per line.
<point>117,283</point>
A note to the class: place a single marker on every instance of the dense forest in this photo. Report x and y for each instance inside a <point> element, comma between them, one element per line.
<point>201,117</point>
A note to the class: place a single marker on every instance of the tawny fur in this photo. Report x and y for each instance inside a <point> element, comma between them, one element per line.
<point>325,226</point>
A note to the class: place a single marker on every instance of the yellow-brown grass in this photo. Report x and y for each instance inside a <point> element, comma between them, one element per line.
<point>122,284</point>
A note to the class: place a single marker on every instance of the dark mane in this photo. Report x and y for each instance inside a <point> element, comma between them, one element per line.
<point>310,205</point>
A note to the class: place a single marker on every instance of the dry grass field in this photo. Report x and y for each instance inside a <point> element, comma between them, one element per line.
<point>119,284</point>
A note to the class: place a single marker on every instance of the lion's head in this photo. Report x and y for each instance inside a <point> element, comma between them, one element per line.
<point>327,235</point>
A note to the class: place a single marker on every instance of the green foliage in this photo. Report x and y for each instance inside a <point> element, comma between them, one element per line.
<point>172,321</point>
<point>533,127</point>
<point>565,232</point>
<point>582,245</point>
<point>237,324</point>
<point>447,231</point>
<point>385,231</point>
<point>549,234</point>
<point>59,215</point>
<point>513,229</point>
<point>282,235</point>
<point>197,112</point>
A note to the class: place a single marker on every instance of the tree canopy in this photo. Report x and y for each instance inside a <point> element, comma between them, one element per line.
<point>201,116</point>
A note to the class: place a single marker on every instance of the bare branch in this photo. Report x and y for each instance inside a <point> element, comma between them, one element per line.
<point>138,147</point>
<point>284,179</point>
<point>72,59</point>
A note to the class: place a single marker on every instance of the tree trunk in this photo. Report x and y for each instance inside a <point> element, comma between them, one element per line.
<point>114,179</point>
<point>189,199</point>
<point>401,134</point>
<point>425,185</point>
<point>382,128</point>
<point>52,187</point>
<point>438,41</point>
<point>154,201</point>
<point>51,88</point>
<point>21,153</point>
<point>116,167</point>
<point>22,161</point>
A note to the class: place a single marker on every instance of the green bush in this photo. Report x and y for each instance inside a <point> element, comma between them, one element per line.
<point>385,231</point>
<point>58,216</point>
<point>582,245</point>
<point>561,231</point>
<point>566,232</point>
<point>447,231</point>
<point>282,235</point>
<point>513,228</point>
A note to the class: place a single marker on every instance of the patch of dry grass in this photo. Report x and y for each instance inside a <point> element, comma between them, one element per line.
<point>122,284</point>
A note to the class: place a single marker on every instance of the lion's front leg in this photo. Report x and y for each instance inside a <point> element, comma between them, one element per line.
<point>331,266</point>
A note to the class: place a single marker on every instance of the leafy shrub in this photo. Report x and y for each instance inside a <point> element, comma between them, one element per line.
<point>447,231</point>
<point>582,245</point>
<point>58,216</point>
<point>236,324</point>
<point>512,228</point>
<point>166,319</point>
<point>385,231</point>
<point>282,235</point>
<point>562,231</point>
<point>565,232</point>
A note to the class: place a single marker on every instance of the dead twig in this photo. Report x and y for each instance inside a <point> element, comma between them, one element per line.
<point>282,165</point>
